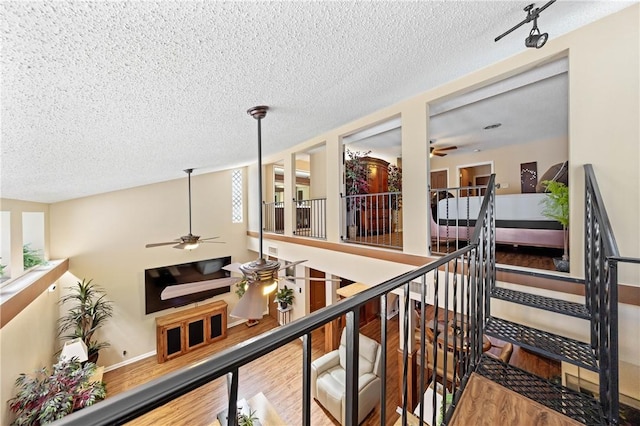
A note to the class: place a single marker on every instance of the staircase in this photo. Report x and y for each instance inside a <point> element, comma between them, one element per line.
<point>600,309</point>
<point>578,406</point>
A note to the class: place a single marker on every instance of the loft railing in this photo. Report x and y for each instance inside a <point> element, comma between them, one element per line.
<point>455,286</point>
<point>451,216</point>
<point>601,285</point>
<point>311,218</point>
<point>373,219</point>
<point>274,217</point>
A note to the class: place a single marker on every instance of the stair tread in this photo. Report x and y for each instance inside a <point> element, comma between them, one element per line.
<point>576,405</point>
<point>541,302</point>
<point>548,344</point>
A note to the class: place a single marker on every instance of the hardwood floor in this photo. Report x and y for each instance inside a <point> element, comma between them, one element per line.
<point>278,375</point>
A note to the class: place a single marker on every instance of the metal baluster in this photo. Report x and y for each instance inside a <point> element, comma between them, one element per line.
<point>383,359</point>
<point>306,379</point>
<point>353,352</point>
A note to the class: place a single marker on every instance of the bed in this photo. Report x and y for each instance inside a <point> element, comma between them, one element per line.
<point>519,220</point>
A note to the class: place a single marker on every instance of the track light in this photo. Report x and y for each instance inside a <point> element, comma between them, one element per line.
<point>535,38</point>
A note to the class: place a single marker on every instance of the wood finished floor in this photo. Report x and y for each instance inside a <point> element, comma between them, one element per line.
<point>277,375</point>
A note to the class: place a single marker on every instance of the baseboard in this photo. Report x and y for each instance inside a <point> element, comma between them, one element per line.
<point>129,361</point>
<point>153,353</point>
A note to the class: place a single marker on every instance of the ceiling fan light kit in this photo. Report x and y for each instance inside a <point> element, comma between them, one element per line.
<point>535,38</point>
<point>189,241</point>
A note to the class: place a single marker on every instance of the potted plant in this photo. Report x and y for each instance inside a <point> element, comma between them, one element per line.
<point>30,257</point>
<point>285,297</point>
<point>357,183</point>
<point>395,186</point>
<point>47,396</point>
<point>89,310</point>
<point>556,207</point>
<point>248,419</point>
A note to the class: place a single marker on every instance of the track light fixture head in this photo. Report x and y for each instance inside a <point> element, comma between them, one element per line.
<point>535,38</point>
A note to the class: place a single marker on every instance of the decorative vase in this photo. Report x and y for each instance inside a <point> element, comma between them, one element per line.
<point>352,231</point>
<point>283,305</point>
<point>561,264</point>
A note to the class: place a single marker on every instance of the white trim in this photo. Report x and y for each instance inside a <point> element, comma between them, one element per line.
<point>464,166</point>
<point>154,352</point>
<point>129,361</point>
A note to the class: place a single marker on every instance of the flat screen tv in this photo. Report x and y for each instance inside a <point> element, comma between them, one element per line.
<point>156,280</point>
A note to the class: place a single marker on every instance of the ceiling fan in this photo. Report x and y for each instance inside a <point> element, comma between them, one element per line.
<point>189,241</point>
<point>260,276</point>
<point>439,151</point>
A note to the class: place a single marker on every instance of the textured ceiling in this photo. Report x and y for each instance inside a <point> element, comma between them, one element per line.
<point>100,96</point>
<point>531,106</point>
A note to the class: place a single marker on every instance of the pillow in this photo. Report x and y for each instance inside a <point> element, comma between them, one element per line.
<point>558,172</point>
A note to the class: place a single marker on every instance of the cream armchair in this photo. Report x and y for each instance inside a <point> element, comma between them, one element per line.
<point>328,385</point>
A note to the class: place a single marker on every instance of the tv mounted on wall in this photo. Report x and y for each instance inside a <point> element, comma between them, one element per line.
<point>157,280</point>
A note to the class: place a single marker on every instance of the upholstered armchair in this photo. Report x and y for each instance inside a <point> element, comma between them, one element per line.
<point>328,385</point>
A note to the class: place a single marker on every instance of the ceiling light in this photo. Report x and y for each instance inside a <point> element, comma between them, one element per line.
<point>492,126</point>
<point>535,38</point>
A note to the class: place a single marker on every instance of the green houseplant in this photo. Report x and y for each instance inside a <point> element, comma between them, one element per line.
<point>88,311</point>
<point>556,207</point>
<point>395,185</point>
<point>356,183</point>
<point>30,257</point>
<point>285,297</point>
<point>47,396</point>
<point>248,419</point>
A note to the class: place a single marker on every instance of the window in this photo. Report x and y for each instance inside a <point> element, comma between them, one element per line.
<point>32,239</point>
<point>236,196</point>
<point>5,246</point>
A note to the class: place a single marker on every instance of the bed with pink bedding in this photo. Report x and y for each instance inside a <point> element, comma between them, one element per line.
<point>519,220</point>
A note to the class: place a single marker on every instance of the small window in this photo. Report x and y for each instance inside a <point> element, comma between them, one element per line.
<point>32,239</point>
<point>5,246</point>
<point>236,196</point>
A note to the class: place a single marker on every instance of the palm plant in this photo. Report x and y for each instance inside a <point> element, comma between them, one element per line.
<point>89,311</point>
<point>556,207</point>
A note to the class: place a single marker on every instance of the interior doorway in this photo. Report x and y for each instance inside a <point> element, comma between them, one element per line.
<point>317,291</point>
<point>472,175</point>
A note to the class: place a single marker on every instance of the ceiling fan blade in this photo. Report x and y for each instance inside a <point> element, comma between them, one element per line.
<point>185,289</point>
<point>287,265</point>
<point>439,154</point>
<point>160,244</point>
<point>210,238</point>
<point>447,148</point>
<point>233,267</point>
<point>314,279</point>
<point>252,303</point>
<point>212,242</point>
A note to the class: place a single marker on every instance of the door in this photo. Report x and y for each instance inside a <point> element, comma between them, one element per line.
<point>317,293</point>
<point>439,179</point>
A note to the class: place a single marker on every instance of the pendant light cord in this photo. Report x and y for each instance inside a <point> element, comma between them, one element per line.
<point>260,183</point>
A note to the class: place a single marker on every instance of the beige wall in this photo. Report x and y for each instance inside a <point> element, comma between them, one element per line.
<point>104,237</point>
<point>27,343</point>
<point>506,161</point>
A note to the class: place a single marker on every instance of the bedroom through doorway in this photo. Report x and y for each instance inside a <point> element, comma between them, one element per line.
<point>516,128</point>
